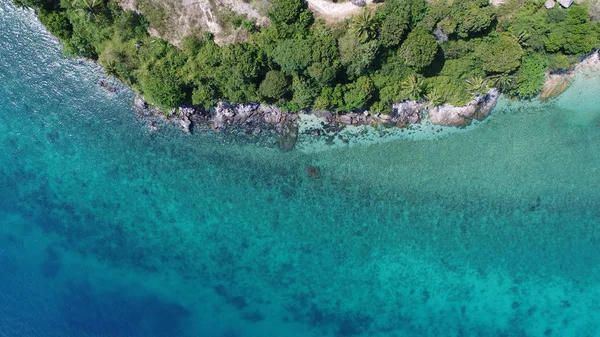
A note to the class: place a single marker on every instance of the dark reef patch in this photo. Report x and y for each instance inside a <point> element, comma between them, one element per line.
<point>120,313</point>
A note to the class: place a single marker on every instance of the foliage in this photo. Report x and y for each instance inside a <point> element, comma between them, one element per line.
<point>364,25</point>
<point>369,62</point>
<point>501,54</point>
<point>435,98</point>
<point>419,49</point>
<point>477,85</point>
<point>204,95</point>
<point>57,23</point>
<point>573,33</point>
<point>531,76</point>
<point>293,56</point>
<point>286,11</point>
<point>451,89</point>
<point>393,29</point>
<point>304,94</point>
<point>274,85</point>
<point>358,58</point>
<point>472,17</point>
<point>358,94</point>
<point>413,87</point>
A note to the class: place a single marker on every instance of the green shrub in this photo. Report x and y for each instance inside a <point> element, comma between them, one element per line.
<point>532,75</point>
<point>57,23</point>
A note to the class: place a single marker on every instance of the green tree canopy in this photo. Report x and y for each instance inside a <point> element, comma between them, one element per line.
<point>532,75</point>
<point>419,49</point>
<point>274,85</point>
<point>286,11</point>
<point>293,56</point>
<point>358,94</point>
<point>501,54</point>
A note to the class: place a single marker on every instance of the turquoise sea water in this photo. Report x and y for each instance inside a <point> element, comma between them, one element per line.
<point>109,229</point>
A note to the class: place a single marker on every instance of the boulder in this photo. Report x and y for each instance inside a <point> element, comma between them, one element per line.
<point>322,114</point>
<point>550,4</point>
<point>185,124</point>
<point>345,119</point>
<point>555,84</point>
<point>243,112</point>
<point>224,113</point>
<point>478,108</point>
<point>440,35</point>
<point>565,3</point>
<point>407,112</point>
<point>140,106</point>
<point>359,3</point>
<point>272,115</point>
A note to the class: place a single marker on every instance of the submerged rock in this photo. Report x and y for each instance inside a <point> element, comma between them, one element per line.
<point>289,136</point>
<point>313,171</point>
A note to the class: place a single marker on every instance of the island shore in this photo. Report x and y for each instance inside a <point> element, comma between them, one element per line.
<point>255,119</point>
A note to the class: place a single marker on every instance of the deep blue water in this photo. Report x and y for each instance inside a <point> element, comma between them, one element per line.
<point>110,229</point>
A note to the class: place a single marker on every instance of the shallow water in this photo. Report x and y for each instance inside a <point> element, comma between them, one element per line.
<point>108,229</point>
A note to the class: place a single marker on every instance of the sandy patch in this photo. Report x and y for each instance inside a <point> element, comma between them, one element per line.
<point>335,11</point>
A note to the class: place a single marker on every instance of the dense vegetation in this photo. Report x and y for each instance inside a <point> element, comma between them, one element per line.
<point>406,49</point>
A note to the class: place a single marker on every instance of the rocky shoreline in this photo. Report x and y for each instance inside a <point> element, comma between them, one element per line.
<point>255,118</point>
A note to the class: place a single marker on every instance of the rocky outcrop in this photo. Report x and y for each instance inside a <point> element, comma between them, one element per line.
<point>559,81</point>
<point>254,118</point>
<point>408,112</point>
<point>555,84</point>
<point>226,115</point>
<point>359,3</point>
<point>565,3</point>
<point>478,108</point>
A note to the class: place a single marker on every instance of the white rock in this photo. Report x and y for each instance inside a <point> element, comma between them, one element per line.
<point>565,3</point>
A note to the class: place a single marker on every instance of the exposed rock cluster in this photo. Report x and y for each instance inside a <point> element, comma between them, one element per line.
<point>478,108</point>
<point>359,3</point>
<point>253,118</point>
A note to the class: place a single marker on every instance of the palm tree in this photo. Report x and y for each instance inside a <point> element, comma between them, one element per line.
<point>110,67</point>
<point>364,25</point>
<point>503,81</point>
<point>88,7</point>
<point>413,87</point>
<point>477,85</point>
<point>435,98</point>
<point>522,37</point>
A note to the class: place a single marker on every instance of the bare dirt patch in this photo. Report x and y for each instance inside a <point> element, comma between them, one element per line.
<point>334,12</point>
<point>175,19</point>
<point>179,18</point>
